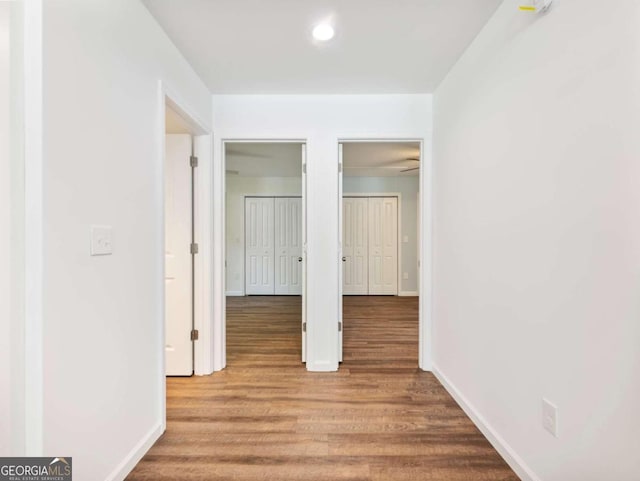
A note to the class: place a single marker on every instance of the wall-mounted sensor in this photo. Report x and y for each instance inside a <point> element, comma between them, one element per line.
<point>537,6</point>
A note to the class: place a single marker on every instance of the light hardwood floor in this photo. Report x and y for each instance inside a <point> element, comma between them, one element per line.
<point>266,418</point>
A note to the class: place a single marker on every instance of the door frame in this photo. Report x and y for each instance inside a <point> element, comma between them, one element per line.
<point>220,341</point>
<point>425,240</point>
<point>202,135</point>
<point>397,195</point>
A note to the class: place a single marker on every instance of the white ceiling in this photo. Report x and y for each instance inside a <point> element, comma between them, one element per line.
<point>265,47</point>
<point>361,159</point>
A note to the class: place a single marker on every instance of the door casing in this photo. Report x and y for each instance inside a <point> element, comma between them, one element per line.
<point>220,345</point>
<point>425,241</point>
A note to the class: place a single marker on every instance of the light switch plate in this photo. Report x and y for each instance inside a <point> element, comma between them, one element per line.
<point>405,239</point>
<point>405,275</point>
<point>101,240</point>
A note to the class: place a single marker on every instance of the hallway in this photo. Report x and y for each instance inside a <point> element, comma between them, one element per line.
<point>265,417</point>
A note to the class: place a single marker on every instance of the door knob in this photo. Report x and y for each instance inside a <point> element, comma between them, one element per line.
<point>299,259</point>
<point>344,259</point>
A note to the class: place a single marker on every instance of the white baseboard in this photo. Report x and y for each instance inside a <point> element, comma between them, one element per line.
<point>408,294</point>
<point>507,452</point>
<point>136,454</point>
<point>322,366</point>
<point>234,293</point>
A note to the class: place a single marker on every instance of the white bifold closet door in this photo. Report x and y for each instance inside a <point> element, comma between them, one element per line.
<point>383,245</point>
<point>355,253</point>
<point>370,245</point>
<point>259,245</point>
<point>273,231</point>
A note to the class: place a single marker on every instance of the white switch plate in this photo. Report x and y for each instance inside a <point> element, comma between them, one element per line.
<point>101,240</point>
<point>405,275</point>
<point>550,417</point>
<point>405,239</point>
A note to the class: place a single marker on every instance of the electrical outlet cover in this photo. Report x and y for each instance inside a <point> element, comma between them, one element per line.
<point>101,240</point>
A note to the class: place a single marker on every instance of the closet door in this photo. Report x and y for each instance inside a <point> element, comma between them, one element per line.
<point>288,246</point>
<point>354,245</point>
<point>259,246</point>
<point>383,246</point>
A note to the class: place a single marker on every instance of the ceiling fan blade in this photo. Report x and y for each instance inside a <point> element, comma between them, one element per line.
<point>401,162</point>
<point>409,170</point>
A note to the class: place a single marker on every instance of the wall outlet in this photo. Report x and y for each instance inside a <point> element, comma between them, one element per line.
<point>550,417</point>
<point>405,275</point>
<point>101,240</point>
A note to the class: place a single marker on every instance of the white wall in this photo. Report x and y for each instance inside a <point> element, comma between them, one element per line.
<point>103,315</point>
<point>408,188</point>
<point>537,259</point>
<point>321,120</point>
<point>237,189</point>
<point>5,233</point>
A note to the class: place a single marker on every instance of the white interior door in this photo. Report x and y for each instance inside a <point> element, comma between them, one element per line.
<point>288,246</point>
<point>178,298</point>
<point>303,217</point>
<point>355,252</point>
<point>383,246</point>
<point>259,246</point>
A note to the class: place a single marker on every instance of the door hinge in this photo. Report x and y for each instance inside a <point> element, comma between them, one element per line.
<point>193,161</point>
<point>194,335</point>
<point>304,168</point>
<point>340,167</point>
<point>339,327</point>
<point>304,327</point>
<point>194,248</point>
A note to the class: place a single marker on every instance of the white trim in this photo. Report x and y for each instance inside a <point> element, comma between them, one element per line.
<point>203,362</point>
<point>16,387</point>
<point>340,285</point>
<point>322,366</point>
<point>408,294</point>
<point>234,293</point>
<point>504,449</point>
<point>161,133</point>
<point>219,243</point>
<point>203,301</point>
<point>33,226</point>
<point>135,455</point>
<point>425,258</point>
<point>425,242</point>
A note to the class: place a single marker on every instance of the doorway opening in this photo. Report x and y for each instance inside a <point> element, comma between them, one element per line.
<point>380,251</point>
<point>265,267</point>
<point>186,157</point>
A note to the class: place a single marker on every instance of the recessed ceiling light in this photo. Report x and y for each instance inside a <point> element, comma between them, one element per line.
<point>323,32</point>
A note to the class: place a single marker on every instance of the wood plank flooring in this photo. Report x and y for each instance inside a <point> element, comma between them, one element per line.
<point>266,418</point>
